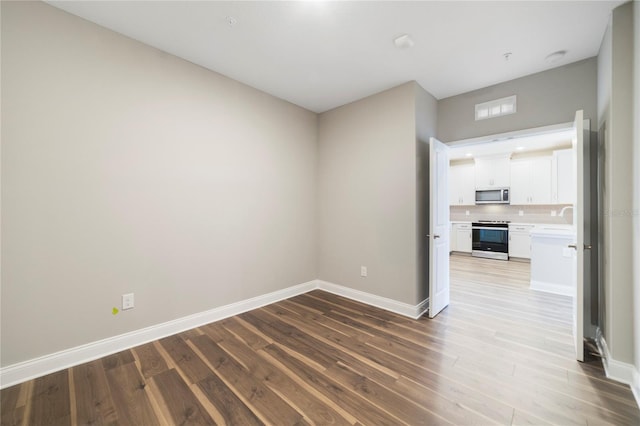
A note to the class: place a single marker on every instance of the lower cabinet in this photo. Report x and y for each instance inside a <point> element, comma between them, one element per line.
<point>520,241</point>
<point>461,237</point>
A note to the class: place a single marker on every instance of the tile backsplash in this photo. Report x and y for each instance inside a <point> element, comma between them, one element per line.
<point>531,214</point>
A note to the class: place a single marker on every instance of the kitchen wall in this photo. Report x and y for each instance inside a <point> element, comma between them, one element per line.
<point>615,121</point>
<point>367,194</point>
<point>544,98</point>
<point>125,169</point>
<point>530,214</point>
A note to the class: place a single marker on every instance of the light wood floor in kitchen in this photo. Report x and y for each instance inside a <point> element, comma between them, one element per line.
<point>499,354</point>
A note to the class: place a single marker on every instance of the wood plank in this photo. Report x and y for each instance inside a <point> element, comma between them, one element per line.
<point>150,360</point>
<point>130,396</point>
<point>584,394</point>
<point>456,410</point>
<point>179,401</point>
<point>10,413</point>
<point>189,334</point>
<point>185,359</point>
<point>330,341</point>
<point>50,400</point>
<point>314,410</point>
<point>94,404</point>
<point>391,402</point>
<point>392,382</point>
<point>365,411</point>
<point>117,359</point>
<point>230,407</point>
<point>434,379</point>
<point>266,404</point>
<point>287,335</point>
<point>236,327</point>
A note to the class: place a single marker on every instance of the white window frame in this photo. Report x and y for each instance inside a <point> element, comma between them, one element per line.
<point>496,108</point>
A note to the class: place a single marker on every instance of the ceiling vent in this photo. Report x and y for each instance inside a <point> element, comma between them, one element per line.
<point>492,109</point>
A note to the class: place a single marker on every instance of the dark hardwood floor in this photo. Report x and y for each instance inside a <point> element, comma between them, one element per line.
<point>499,354</point>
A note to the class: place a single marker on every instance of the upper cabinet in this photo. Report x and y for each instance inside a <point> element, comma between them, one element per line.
<point>492,172</point>
<point>531,180</point>
<point>563,185</point>
<point>462,188</point>
<point>541,178</point>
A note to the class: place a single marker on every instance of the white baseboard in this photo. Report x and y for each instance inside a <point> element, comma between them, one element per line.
<point>405,309</point>
<point>617,370</point>
<point>551,288</point>
<point>635,385</point>
<point>37,367</point>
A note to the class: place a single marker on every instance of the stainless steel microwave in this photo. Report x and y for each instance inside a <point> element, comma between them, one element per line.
<point>492,196</point>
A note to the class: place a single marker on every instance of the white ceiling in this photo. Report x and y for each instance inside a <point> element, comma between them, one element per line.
<point>323,54</point>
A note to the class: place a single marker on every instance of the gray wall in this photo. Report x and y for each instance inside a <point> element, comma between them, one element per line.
<point>367,194</point>
<point>545,98</point>
<point>426,118</point>
<point>615,105</point>
<point>636,187</point>
<point>125,169</point>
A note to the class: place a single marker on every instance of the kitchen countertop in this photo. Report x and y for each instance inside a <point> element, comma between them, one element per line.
<point>538,227</point>
<point>558,231</point>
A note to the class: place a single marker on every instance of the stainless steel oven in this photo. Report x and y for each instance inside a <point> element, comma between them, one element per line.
<point>490,239</point>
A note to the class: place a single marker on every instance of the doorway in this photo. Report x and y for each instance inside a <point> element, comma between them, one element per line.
<point>542,170</point>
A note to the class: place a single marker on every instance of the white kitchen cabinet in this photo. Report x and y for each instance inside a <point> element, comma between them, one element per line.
<point>531,180</point>
<point>461,237</point>
<point>520,241</point>
<point>562,177</point>
<point>462,188</point>
<point>492,172</point>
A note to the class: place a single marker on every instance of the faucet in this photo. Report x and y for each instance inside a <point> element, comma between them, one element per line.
<point>564,209</point>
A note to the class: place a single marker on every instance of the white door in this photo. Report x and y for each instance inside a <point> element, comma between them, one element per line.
<point>579,246</point>
<point>438,227</point>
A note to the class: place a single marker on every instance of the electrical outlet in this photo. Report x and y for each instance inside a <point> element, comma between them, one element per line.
<point>127,301</point>
<point>466,212</point>
<point>520,212</point>
<point>553,213</point>
<point>363,271</point>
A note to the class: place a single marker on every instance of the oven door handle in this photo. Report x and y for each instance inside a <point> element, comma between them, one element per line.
<point>489,228</point>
